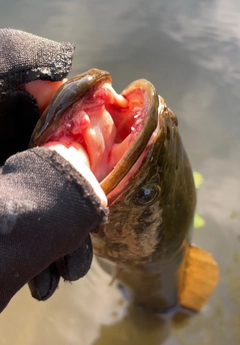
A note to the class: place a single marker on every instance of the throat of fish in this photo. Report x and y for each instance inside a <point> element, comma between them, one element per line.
<point>113,129</point>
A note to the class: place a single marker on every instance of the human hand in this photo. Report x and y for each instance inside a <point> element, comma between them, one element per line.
<point>26,71</point>
<point>31,65</point>
<point>77,156</point>
<point>25,58</point>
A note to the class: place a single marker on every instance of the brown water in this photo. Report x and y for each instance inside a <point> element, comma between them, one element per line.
<point>190,51</point>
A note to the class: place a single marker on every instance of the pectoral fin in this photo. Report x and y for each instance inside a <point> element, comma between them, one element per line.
<point>200,276</point>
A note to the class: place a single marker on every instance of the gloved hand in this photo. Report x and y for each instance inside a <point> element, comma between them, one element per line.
<point>47,209</point>
<point>24,58</point>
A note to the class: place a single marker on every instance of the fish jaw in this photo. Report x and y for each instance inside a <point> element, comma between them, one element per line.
<point>113,129</point>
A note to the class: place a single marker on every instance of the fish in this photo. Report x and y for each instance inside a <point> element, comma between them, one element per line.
<point>139,159</point>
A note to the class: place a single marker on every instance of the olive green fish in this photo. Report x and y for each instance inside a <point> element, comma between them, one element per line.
<point>150,189</point>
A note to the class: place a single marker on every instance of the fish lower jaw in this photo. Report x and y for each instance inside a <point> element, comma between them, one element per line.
<point>104,124</point>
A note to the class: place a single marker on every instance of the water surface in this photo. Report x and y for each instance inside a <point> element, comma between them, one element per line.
<point>190,51</point>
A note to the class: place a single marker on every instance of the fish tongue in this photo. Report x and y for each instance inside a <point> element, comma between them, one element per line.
<point>99,137</point>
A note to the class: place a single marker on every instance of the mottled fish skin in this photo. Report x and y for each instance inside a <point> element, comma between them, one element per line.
<point>149,227</point>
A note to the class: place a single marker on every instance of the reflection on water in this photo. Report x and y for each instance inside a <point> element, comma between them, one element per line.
<point>154,329</point>
<point>74,315</point>
<point>190,51</point>
<point>93,312</point>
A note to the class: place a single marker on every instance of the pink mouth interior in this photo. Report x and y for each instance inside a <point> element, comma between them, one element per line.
<point>105,124</point>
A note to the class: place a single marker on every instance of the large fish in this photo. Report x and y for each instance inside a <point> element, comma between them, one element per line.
<point>138,157</point>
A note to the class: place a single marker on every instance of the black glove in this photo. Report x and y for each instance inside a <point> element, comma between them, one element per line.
<point>47,209</point>
<point>24,58</point>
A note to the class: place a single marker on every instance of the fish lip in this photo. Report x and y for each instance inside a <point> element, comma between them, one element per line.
<point>139,144</point>
<point>56,108</point>
<point>73,90</point>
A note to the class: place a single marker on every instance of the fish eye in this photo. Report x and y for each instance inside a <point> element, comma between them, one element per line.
<point>147,194</point>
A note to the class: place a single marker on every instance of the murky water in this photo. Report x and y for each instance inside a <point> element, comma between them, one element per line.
<point>190,51</point>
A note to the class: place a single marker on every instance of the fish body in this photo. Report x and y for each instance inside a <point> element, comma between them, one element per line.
<point>150,187</point>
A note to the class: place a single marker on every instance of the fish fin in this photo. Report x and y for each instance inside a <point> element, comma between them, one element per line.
<point>199,278</point>
<point>115,275</point>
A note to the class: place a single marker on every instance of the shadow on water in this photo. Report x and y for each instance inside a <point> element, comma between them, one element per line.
<point>142,327</point>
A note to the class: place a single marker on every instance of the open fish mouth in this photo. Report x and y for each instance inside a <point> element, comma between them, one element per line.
<point>114,129</point>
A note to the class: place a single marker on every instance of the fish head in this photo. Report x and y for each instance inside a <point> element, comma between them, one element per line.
<point>138,157</point>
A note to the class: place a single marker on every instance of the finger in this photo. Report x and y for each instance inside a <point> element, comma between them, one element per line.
<point>44,284</point>
<point>43,91</point>
<point>78,157</point>
<point>76,265</point>
<point>25,57</point>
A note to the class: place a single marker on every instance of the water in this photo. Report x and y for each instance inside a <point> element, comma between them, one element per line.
<point>190,51</point>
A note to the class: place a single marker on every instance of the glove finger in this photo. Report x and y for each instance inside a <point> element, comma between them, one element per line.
<point>75,265</point>
<point>45,283</point>
<point>25,57</point>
